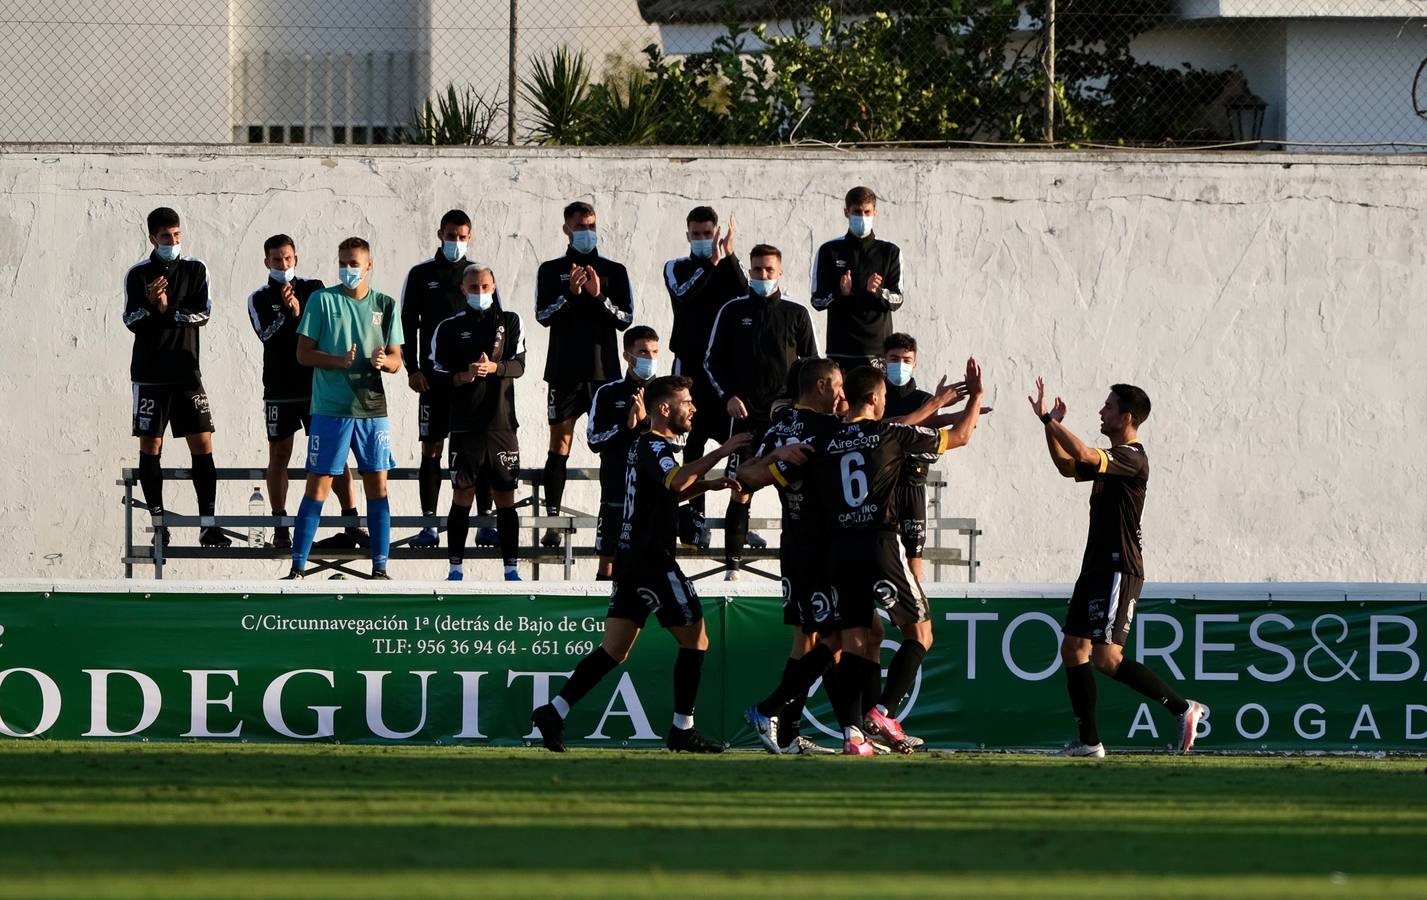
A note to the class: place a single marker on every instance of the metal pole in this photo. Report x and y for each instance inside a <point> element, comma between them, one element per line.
<point>510,85</point>
<point>1049,63</point>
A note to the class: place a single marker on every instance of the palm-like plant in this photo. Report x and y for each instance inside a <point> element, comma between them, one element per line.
<point>457,119</point>
<point>626,110</point>
<point>559,93</point>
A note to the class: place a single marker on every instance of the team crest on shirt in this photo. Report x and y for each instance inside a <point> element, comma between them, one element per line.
<point>377,318</point>
<point>666,464</point>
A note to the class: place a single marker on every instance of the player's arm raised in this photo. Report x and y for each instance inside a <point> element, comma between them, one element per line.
<point>959,435</point>
<point>1062,456</point>
<point>691,473</point>
<point>763,471</point>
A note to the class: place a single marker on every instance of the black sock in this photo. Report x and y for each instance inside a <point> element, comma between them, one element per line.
<point>688,667</point>
<point>902,674</point>
<point>587,674</point>
<point>798,677</point>
<point>483,493</point>
<point>554,482</point>
<point>1143,679</point>
<point>353,513</point>
<point>845,690</point>
<point>458,524</point>
<point>205,483</point>
<point>508,524</point>
<point>428,480</point>
<point>735,530</point>
<point>151,482</point>
<point>1080,683</point>
<point>871,685</point>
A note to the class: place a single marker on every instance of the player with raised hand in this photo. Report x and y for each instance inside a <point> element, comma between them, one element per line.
<point>1097,620</point>
<point>617,417</point>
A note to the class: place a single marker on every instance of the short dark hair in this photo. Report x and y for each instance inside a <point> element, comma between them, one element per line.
<point>276,241</point>
<point>765,250</point>
<point>639,333</point>
<point>813,369</point>
<point>163,217</point>
<point>354,243</point>
<point>664,388</point>
<point>899,341</point>
<point>578,208</point>
<point>860,195</point>
<point>862,382</point>
<point>455,217</point>
<point>1133,400</point>
<point>703,214</point>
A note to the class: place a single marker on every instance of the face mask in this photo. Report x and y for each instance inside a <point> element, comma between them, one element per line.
<point>899,373</point>
<point>167,252</point>
<point>480,302</point>
<point>643,368</point>
<point>453,250</point>
<point>282,276</point>
<point>860,226</point>
<point>763,287</point>
<point>350,278</point>
<point>584,241</point>
<point>702,248</point>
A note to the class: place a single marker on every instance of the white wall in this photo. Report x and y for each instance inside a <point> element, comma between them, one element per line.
<point>1256,47</point>
<point>1352,81</point>
<point>1272,309</point>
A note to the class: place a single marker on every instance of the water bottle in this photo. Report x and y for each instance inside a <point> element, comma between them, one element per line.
<point>256,507</point>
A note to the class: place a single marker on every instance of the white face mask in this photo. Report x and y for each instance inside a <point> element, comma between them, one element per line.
<point>763,287</point>
<point>168,252</point>
<point>453,250</point>
<point>644,368</point>
<point>584,241</point>
<point>351,278</point>
<point>701,248</point>
<point>899,373</point>
<point>282,276</point>
<point>860,226</point>
<point>480,302</point>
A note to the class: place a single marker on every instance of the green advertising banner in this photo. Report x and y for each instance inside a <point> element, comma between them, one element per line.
<point>467,668</point>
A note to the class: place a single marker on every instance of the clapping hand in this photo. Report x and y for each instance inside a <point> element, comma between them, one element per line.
<point>483,367</point>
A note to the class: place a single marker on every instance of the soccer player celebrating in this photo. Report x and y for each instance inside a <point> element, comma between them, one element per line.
<point>583,298</point>
<point>754,343</point>
<point>854,469</point>
<point>616,419</point>
<point>481,350</point>
<point>351,335</point>
<point>647,577</point>
<point>1097,620</point>
<point>430,295</point>
<point>166,301</point>
<point>699,285</point>
<point>275,309</point>
<point>857,280</point>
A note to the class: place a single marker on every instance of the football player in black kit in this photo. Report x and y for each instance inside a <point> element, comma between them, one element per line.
<point>481,351</point>
<point>699,285</point>
<point>166,301</point>
<point>857,281</point>
<point>647,578</point>
<point>1098,617</point>
<point>616,418</point>
<point>583,298</point>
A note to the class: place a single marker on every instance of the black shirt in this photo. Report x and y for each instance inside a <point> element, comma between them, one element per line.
<point>698,289</point>
<point>855,467</point>
<point>803,523</point>
<point>857,325</point>
<point>166,344</point>
<point>486,404</point>
<point>430,295</point>
<point>903,401</point>
<point>755,341</point>
<point>284,378</point>
<point>646,535</point>
<point>582,328</point>
<point>610,436</point>
<point>1116,502</point>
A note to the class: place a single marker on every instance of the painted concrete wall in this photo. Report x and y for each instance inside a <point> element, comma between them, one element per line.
<point>1273,310</point>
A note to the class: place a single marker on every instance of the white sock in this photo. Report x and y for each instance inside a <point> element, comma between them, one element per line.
<point>458,568</point>
<point>512,570</point>
<point>883,710</point>
<point>683,722</point>
<point>561,706</point>
<point>853,734</point>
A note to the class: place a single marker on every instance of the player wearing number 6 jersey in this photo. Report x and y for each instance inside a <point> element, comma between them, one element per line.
<point>1097,620</point>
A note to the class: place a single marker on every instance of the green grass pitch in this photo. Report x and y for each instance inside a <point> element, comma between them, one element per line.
<point>252,821</point>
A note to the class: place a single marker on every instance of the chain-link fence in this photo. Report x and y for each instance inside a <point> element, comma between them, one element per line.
<point>1180,73</point>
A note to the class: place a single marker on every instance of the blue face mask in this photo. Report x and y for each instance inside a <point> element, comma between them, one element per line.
<point>350,278</point>
<point>584,241</point>
<point>643,368</point>
<point>167,252</point>
<point>763,287</point>
<point>899,373</point>
<point>453,250</point>
<point>702,248</point>
<point>282,276</point>
<point>860,226</point>
<point>480,302</point>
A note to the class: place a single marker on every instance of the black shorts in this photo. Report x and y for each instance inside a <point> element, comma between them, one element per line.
<point>607,528</point>
<point>872,573</point>
<point>807,595</point>
<point>284,417</point>
<point>1103,607</point>
<point>755,425</point>
<point>912,518</point>
<point>668,595</point>
<point>183,410</point>
<point>567,402</point>
<point>496,454</point>
<point>433,413</point>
